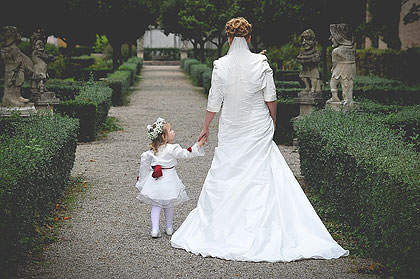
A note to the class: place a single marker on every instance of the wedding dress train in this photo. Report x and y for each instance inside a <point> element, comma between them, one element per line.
<point>251,207</point>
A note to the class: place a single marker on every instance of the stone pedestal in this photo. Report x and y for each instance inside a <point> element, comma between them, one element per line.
<point>45,101</point>
<point>184,54</point>
<point>27,110</point>
<point>308,100</point>
<point>140,48</point>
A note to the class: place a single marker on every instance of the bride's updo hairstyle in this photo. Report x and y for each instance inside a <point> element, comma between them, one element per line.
<point>238,27</point>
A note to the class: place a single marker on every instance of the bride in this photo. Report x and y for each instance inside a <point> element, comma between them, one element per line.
<point>251,207</point>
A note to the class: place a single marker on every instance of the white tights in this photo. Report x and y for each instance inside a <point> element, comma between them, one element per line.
<point>155,214</point>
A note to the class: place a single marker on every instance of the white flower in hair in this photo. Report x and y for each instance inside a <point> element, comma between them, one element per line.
<point>155,130</point>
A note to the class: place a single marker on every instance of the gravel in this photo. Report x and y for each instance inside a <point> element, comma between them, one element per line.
<point>108,235</point>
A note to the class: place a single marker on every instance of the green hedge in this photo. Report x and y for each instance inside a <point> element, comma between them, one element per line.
<point>119,81</point>
<point>36,156</point>
<point>131,68</point>
<point>206,77</point>
<point>138,61</point>
<point>389,63</point>
<point>90,106</point>
<point>169,54</point>
<point>368,178</point>
<point>186,64</point>
<point>84,74</point>
<point>196,73</point>
<point>371,87</point>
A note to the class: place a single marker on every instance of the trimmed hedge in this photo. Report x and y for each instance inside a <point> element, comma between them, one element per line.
<point>85,74</point>
<point>119,81</point>
<point>90,106</point>
<point>36,156</point>
<point>368,178</point>
<point>196,73</point>
<point>206,77</point>
<point>169,54</point>
<point>389,63</point>
<point>131,68</point>
<point>138,61</point>
<point>374,88</point>
<point>186,64</point>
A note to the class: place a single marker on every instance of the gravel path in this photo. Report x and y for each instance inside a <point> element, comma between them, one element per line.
<point>108,235</point>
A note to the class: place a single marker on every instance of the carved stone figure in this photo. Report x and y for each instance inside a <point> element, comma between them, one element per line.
<point>343,64</point>
<point>140,48</point>
<point>309,57</point>
<point>40,60</point>
<point>16,63</point>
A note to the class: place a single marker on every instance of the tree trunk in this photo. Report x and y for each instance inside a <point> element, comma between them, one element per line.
<point>221,41</point>
<point>116,53</point>
<point>195,48</point>
<point>130,49</point>
<point>202,57</point>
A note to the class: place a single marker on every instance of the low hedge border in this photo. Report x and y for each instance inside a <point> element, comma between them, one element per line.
<point>36,157</point>
<point>90,106</point>
<point>368,178</point>
<point>131,68</point>
<point>168,54</point>
<point>85,74</point>
<point>119,81</point>
<point>378,89</point>
<point>197,71</point>
<point>186,64</point>
<point>200,73</point>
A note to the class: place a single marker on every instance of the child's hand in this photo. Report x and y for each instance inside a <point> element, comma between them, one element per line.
<point>202,141</point>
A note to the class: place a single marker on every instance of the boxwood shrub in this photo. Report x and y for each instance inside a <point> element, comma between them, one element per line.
<point>138,61</point>
<point>206,77</point>
<point>187,64</point>
<point>84,74</point>
<point>119,81</point>
<point>368,178</point>
<point>36,156</point>
<point>90,106</point>
<point>196,73</point>
<point>131,68</point>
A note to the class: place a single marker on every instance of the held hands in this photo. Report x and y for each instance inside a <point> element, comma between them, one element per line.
<point>204,134</point>
<point>202,141</point>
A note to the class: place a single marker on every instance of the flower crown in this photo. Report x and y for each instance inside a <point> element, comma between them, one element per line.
<point>155,130</point>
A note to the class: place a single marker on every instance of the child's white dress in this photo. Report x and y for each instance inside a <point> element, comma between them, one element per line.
<point>166,191</point>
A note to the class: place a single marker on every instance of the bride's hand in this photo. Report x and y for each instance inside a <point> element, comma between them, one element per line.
<point>204,134</point>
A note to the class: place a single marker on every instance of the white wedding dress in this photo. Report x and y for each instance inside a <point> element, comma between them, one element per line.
<point>251,207</point>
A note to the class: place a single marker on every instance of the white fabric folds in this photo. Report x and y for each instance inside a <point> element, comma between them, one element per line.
<point>251,207</point>
<point>168,190</point>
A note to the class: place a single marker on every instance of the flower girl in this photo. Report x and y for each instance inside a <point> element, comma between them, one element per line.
<point>158,181</point>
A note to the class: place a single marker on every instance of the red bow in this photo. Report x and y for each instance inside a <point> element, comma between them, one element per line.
<point>157,171</point>
<point>137,178</point>
<point>189,149</point>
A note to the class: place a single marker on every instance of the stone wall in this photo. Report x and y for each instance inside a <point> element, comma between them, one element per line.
<point>410,33</point>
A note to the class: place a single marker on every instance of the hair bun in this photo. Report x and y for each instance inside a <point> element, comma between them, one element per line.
<point>238,27</point>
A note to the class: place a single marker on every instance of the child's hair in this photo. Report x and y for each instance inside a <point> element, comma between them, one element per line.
<point>160,139</point>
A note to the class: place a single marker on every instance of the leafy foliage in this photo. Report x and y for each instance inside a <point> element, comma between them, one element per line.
<point>36,155</point>
<point>368,178</point>
<point>90,106</point>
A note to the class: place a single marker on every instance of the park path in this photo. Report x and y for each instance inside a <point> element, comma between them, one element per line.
<point>108,234</point>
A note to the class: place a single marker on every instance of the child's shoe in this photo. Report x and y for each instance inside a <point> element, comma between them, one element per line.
<point>155,233</point>
<point>169,231</point>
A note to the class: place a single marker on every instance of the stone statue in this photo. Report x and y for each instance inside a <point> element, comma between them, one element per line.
<point>16,63</point>
<point>309,57</point>
<point>343,64</point>
<point>40,60</point>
